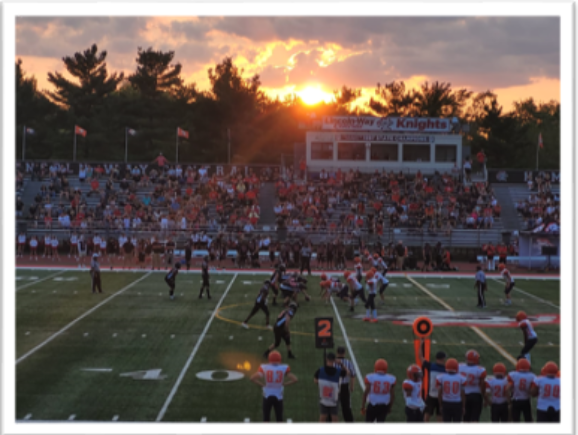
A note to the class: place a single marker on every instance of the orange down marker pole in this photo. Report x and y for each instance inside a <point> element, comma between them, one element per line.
<point>422,329</point>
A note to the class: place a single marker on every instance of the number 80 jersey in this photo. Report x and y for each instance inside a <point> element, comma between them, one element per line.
<point>274,377</point>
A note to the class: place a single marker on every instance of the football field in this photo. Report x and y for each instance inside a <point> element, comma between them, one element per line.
<point>131,354</point>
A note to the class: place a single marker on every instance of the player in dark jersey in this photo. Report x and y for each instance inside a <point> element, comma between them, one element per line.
<point>260,304</point>
<point>291,286</point>
<point>433,369</point>
<point>276,279</point>
<point>281,329</point>
<point>205,277</point>
<point>170,279</point>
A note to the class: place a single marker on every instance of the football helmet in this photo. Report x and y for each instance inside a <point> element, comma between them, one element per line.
<point>472,357</point>
<point>452,365</point>
<point>274,357</point>
<point>499,368</point>
<point>414,373</point>
<point>523,365</point>
<point>380,365</point>
<point>550,369</point>
<point>521,315</point>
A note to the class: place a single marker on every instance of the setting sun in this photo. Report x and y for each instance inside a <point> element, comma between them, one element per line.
<point>313,95</point>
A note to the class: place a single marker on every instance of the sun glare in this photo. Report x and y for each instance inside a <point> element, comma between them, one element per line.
<point>313,95</point>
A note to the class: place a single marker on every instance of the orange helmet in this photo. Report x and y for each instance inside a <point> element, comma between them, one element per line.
<point>373,269</point>
<point>346,274</point>
<point>452,365</point>
<point>472,357</point>
<point>499,368</point>
<point>357,259</point>
<point>376,255</point>
<point>521,315</point>
<point>558,374</point>
<point>366,251</point>
<point>323,277</point>
<point>550,369</point>
<point>414,372</point>
<point>523,365</point>
<point>325,284</point>
<point>501,266</point>
<point>380,365</point>
<point>274,357</point>
<point>369,275</point>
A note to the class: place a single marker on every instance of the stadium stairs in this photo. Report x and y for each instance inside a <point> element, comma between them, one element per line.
<point>267,201</point>
<point>28,192</point>
<point>507,196</point>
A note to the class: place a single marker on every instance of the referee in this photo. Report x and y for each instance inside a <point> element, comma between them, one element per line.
<point>95,274</point>
<point>480,286</point>
<point>346,385</point>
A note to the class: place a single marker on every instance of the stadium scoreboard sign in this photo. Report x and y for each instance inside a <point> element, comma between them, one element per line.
<point>324,332</point>
<point>393,124</point>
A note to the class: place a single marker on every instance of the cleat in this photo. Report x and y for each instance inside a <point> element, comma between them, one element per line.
<point>366,319</point>
<point>172,298</point>
<point>200,296</point>
<point>290,355</point>
<point>373,320</point>
<point>244,325</point>
<point>266,354</point>
<point>209,297</point>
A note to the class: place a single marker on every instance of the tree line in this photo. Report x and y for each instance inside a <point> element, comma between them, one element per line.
<point>154,100</point>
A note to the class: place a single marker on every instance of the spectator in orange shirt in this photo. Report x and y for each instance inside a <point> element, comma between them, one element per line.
<point>160,161</point>
<point>94,185</point>
<point>481,157</point>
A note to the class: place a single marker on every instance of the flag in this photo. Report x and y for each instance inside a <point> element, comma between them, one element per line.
<point>182,133</point>
<point>79,130</point>
<point>30,131</point>
<point>540,143</point>
<point>131,131</point>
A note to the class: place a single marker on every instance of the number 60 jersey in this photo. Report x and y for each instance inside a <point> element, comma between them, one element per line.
<point>274,377</point>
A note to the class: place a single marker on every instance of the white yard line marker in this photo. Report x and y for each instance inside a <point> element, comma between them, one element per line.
<point>203,419</point>
<point>86,334</point>
<point>115,418</point>
<point>289,420</point>
<point>260,338</point>
<point>40,280</point>
<point>518,289</point>
<point>27,333</point>
<point>477,330</point>
<point>247,420</point>
<point>78,319</point>
<point>193,353</point>
<point>172,335</point>
<point>72,417</point>
<point>144,336</point>
<point>97,370</point>
<point>28,417</point>
<point>230,337</point>
<point>348,344</point>
<point>114,335</point>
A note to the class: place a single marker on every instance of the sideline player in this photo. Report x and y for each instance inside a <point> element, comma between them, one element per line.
<point>281,330</point>
<point>451,394</point>
<point>205,276</point>
<point>480,286</point>
<point>271,377</point>
<point>380,391</point>
<point>371,293</point>
<point>498,394</point>
<point>414,404</point>
<point>434,369</point>
<point>507,276</point>
<point>260,304</point>
<point>530,336</point>
<point>170,279</point>
<point>95,273</point>
<point>474,387</point>
<point>520,381</point>
<point>547,388</point>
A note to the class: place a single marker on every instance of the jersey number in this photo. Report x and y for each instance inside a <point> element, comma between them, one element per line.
<point>324,328</point>
<point>471,380</point>
<point>327,391</point>
<point>381,387</point>
<point>499,391</point>
<point>548,390</point>
<point>454,387</point>
<point>522,385</point>
<point>270,375</point>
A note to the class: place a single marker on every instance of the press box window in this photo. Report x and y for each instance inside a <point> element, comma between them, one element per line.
<point>384,152</point>
<point>446,153</point>
<point>321,150</point>
<point>351,151</point>
<point>416,153</point>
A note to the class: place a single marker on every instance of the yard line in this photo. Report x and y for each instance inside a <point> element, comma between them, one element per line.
<point>193,353</point>
<point>477,330</point>
<point>40,280</point>
<point>78,319</point>
<point>348,344</point>
<point>518,289</point>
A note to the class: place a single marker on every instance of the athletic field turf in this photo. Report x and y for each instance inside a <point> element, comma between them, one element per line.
<point>131,354</point>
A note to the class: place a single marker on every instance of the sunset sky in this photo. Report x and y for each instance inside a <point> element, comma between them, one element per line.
<point>516,57</point>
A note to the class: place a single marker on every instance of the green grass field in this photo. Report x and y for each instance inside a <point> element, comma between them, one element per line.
<point>62,330</point>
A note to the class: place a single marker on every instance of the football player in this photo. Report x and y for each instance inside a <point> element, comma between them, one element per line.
<point>358,268</point>
<point>547,388</point>
<point>370,310</point>
<point>205,275</point>
<point>507,276</point>
<point>497,394</point>
<point>380,392</point>
<point>170,279</point>
<point>520,381</point>
<point>475,385</point>
<point>414,404</point>
<point>530,336</point>
<point>281,330</point>
<point>273,378</point>
<point>276,279</point>
<point>356,289</point>
<point>382,281</point>
<point>260,304</point>
<point>451,395</point>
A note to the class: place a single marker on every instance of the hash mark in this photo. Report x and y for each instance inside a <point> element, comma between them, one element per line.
<point>434,342</point>
<point>247,420</point>
<point>27,333</point>
<point>172,335</point>
<point>72,417</point>
<point>404,340</point>
<point>115,418</point>
<point>114,335</point>
<point>260,338</point>
<point>376,340</point>
<point>230,337</point>
<point>203,419</point>
<point>289,420</point>
<point>463,342</point>
<point>34,291</point>
<point>550,343</point>
<point>28,417</point>
<point>86,334</point>
<point>144,336</point>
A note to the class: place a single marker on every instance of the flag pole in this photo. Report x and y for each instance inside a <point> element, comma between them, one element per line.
<point>177,147</point>
<point>126,144</point>
<point>537,153</point>
<point>74,149</point>
<point>24,144</point>
<point>229,144</point>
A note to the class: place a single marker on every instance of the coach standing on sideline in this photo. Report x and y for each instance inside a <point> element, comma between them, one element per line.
<point>95,274</point>
<point>346,385</point>
<point>480,286</point>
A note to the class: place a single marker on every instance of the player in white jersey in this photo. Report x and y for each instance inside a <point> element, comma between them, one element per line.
<point>382,281</point>
<point>355,289</point>
<point>414,404</point>
<point>379,392</point>
<point>451,393</point>
<point>47,246</point>
<point>475,384</point>
<point>497,394</point>
<point>33,248</point>
<point>73,245</point>
<point>520,382</point>
<point>358,268</point>
<point>273,378</point>
<point>547,389</point>
<point>370,311</point>
<point>509,279</point>
<point>530,336</point>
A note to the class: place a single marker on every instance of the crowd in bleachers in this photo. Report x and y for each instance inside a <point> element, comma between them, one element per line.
<point>541,209</point>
